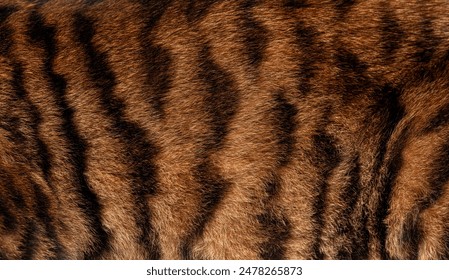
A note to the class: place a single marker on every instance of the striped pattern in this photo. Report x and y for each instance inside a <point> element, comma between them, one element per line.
<point>224,129</point>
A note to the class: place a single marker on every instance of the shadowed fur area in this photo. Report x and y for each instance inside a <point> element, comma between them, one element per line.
<point>240,129</point>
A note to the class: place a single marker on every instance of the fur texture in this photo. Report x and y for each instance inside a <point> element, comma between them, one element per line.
<point>241,129</point>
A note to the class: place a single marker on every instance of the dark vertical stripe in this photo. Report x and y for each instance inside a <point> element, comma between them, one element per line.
<point>41,206</point>
<point>140,152</point>
<point>391,33</point>
<point>11,123</point>
<point>430,72</point>
<point>311,53</point>
<point>285,126</point>
<point>278,231</point>
<point>197,9</point>
<point>275,226</point>
<point>393,166</point>
<point>43,36</point>
<point>13,193</point>
<point>17,84</point>
<point>255,35</point>
<point>12,205</point>
<point>352,72</point>
<point>351,227</point>
<point>157,59</point>
<point>326,159</point>
<point>5,33</point>
<point>9,220</point>
<point>213,189</point>
<point>29,241</point>
<point>359,234</point>
<point>220,99</point>
<point>428,42</point>
<point>5,42</point>
<point>154,11</point>
<point>43,154</point>
<point>389,111</point>
<point>220,103</point>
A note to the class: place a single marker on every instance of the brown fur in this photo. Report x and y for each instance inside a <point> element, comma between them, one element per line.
<point>224,129</point>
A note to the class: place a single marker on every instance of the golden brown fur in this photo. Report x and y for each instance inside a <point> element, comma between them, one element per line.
<point>224,129</point>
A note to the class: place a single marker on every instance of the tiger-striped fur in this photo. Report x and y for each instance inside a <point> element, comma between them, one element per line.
<point>242,129</point>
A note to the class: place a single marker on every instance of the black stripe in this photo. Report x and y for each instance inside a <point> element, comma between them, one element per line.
<point>43,36</point>
<point>213,189</point>
<point>439,121</point>
<point>17,84</point>
<point>428,42</point>
<point>157,59</point>
<point>296,4</point>
<point>43,154</point>
<point>391,33</point>
<point>140,152</point>
<point>220,102</point>
<point>344,6</point>
<point>221,99</point>
<point>158,80</point>
<point>197,9</point>
<point>326,159</point>
<point>5,40</point>
<point>393,166</point>
<point>278,231</point>
<point>311,50</point>
<point>431,72</point>
<point>349,226</point>
<point>392,170</point>
<point>5,12</point>
<point>11,123</point>
<point>41,206</point>
<point>360,234</point>
<point>154,11</point>
<point>285,124</point>
<point>29,241</point>
<point>14,194</point>
<point>5,33</point>
<point>275,226</point>
<point>389,111</point>
<point>362,238</point>
<point>255,35</point>
<point>352,72</point>
<point>9,221</point>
